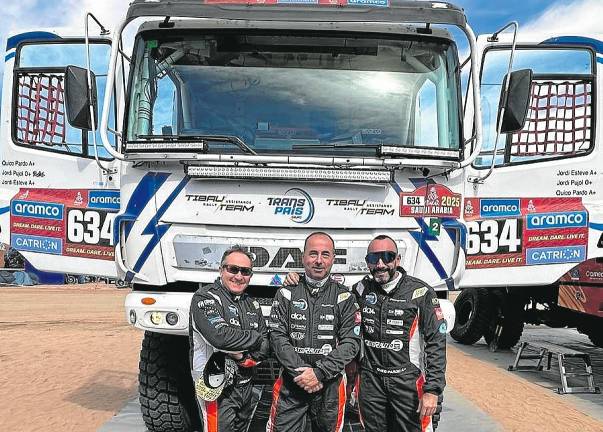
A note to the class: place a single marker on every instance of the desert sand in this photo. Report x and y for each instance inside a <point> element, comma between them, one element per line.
<point>69,362</point>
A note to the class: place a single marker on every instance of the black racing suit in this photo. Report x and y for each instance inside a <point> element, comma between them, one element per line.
<point>404,353</point>
<point>223,321</point>
<point>315,327</point>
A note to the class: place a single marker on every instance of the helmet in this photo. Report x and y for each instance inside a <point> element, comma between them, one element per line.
<point>218,373</point>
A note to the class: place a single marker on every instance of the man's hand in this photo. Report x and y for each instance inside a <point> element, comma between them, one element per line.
<point>291,279</point>
<point>427,405</point>
<point>307,380</point>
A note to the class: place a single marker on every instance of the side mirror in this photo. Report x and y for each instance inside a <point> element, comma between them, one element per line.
<point>77,103</point>
<point>516,101</point>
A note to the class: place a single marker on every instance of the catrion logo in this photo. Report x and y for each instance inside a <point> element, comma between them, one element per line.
<point>37,209</point>
<point>295,203</point>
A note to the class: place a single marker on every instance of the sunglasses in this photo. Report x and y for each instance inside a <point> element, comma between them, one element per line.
<point>233,269</point>
<point>385,256</point>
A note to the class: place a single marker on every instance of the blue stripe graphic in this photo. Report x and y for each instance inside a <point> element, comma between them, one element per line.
<point>4,210</point>
<point>10,56</point>
<point>595,44</point>
<point>155,229</point>
<point>596,226</point>
<point>143,193</point>
<point>13,41</point>
<point>422,237</point>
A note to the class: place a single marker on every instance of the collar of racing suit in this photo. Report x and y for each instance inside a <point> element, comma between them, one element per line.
<point>395,284</point>
<point>315,286</point>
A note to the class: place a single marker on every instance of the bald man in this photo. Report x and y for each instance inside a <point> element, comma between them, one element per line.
<point>315,332</point>
<point>402,371</point>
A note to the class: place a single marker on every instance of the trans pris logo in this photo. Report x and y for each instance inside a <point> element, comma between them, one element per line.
<point>295,204</point>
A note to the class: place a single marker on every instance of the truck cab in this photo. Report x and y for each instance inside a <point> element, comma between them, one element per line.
<point>250,123</point>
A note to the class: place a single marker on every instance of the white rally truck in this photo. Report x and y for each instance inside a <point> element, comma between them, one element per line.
<point>226,122</point>
<point>533,203</point>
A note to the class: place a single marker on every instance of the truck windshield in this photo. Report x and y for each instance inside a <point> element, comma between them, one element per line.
<point>309,94</point>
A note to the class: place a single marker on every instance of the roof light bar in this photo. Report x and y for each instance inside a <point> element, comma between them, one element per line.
<point>164,146</point>
<point>303,174</point>
<point>416,151</point>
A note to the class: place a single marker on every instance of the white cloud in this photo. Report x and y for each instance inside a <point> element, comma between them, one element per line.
<point>577,17</point>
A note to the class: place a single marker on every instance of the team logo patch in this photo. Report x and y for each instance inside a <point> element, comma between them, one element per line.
<point>419,292</point>
<point>371,298</point>
<point>343,297</point>
<point>300,304</point>
<point>443,328</point>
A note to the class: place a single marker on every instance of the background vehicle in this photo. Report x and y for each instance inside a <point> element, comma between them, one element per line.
<point>228,124</point>
<point>534,215</point>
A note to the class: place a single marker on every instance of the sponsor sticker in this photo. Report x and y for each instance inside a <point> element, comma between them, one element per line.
<point>104,199</point>
<point>357,330</point>
<point>395,322</point>
<point>323,337</point>
<point>430,200</point>
<point>555,255</point>
<point>298,317</point>
<point>368,310</point>
<point>419,292</point>
<point>394,332</point>
<point>497,208</point>
<point>438,312</point>
<point>443,328</point>
<point>343,297</point>
<point>235,322</point>
<point>297,326</point>
<point>574,219</point>
<point>325,327</point>
<point>47,245</point>
<point>233,310</point>
<point>357,317</point>
<point>37,209</point>
<point>371,298</point>
<point>300,304</point>
<point>298,335</point>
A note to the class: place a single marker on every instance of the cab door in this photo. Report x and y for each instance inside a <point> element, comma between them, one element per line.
<point>539,212</point>
<point>57,202</point>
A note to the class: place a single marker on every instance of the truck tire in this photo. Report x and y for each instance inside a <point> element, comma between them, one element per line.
<point>472,308</point>
<point>167,398</point>
<point>511,309</point>
<point>594,333</point>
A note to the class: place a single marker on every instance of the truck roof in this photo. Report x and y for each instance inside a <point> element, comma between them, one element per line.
<point>387,11</point>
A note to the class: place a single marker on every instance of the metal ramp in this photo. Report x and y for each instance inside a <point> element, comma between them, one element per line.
<point>545,349</point>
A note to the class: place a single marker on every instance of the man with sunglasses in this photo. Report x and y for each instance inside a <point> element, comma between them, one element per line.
<point>224,318</point>
<point>402,370</point>
<point>315,332</point>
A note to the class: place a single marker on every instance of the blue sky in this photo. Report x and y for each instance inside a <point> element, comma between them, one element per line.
<point>485,16</point>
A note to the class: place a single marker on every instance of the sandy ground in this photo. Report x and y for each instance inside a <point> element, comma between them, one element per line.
<point>68,359</point>
<point>69,363</point>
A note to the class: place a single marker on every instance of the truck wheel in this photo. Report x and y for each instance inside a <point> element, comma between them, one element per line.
<point>594,333</point>
<point>508,311</point>
<point>472,308</point>
<point>167,398</point>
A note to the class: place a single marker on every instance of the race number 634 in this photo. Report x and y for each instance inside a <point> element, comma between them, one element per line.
<point>493,236</point>
<point>94,227</point>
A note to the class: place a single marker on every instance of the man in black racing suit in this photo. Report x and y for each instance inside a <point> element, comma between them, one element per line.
<point>402,371</point>
<point>224,318</point>
<point>315,332</point>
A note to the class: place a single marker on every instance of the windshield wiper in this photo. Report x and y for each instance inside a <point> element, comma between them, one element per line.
<point>231,139</point>
<point>344,146</point>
